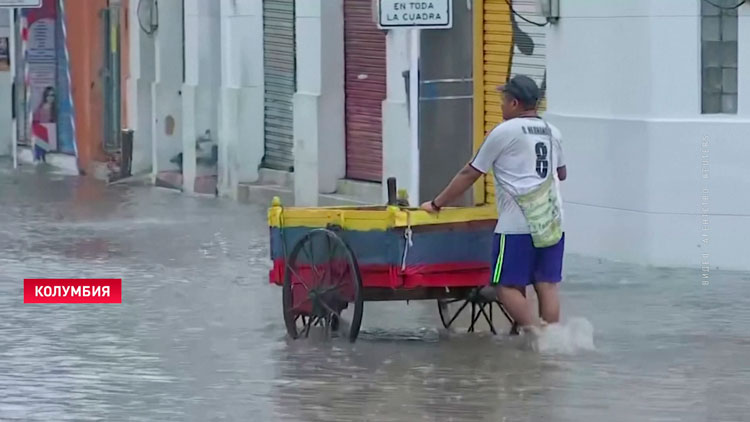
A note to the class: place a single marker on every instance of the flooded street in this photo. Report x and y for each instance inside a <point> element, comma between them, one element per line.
<point>200,336</point>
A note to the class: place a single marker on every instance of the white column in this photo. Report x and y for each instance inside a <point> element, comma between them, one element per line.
<point>228,98</point>
<point>319,135</point>
<point>167,100</point>
<point>193,35</point>
<point>200,97</point>
<point>140,89</point>
<point>240,110</point>
<point>397,157</point>
<point>6,86</point>
<point>743,60</point>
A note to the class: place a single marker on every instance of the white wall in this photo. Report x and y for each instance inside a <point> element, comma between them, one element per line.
<point>624,87</point>
<point>200,92</point>
<point>6,113</point>
<point>222,90</point>
<point>397,160</point>
<point>168,84</point>
<point>332,150</point>
<point>140,92</point>
<point>6,97</point>
<point>319,134</point>
<point>240,101</point>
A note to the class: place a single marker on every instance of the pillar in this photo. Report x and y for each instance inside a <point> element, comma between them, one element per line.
<point>397,160</point>
<point>319,134</point>
<point>166,94</point>
<point>240,108</point>
<point>6,86</point>
<point>140,89</point>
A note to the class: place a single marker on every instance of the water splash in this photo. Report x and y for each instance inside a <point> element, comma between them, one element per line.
<point>571,337</point>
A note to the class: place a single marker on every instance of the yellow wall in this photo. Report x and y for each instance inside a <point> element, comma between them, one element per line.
<point>493,49</point>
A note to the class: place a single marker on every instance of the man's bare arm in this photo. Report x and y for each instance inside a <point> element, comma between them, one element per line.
<point>562,173</point>
<point>462,181</point>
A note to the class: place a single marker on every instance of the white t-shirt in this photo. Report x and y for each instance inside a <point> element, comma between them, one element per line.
<point>517,152</point>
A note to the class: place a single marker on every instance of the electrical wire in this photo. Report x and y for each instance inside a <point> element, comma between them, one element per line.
<point>508,2</point>
<point>724,7</point>
<point>527,20</point>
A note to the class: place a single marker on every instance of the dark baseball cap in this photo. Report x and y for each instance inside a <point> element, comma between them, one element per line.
<point>522,88</point>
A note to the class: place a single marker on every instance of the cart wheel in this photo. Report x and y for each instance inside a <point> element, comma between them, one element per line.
<point>321,279</point>
<point>480,307</point>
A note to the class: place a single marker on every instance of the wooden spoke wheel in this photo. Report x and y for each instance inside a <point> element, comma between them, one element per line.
<point>321,282</point>
<point>467,312</point>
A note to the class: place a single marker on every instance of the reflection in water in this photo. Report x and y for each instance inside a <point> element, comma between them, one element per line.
<point>199,336</point>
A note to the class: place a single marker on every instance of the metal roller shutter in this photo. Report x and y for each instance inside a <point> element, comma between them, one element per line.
<point>530,45</point>
<point>505,46</point>
<point>279,71</point>
<point>365,90</point>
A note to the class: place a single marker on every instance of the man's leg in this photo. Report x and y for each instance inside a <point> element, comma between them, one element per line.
<point>515,303</point>
<point>549,301</point>
<point>512,271</point>
<point>548,272</point>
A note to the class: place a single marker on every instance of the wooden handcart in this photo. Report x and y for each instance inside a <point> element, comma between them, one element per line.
<point>333,259</point>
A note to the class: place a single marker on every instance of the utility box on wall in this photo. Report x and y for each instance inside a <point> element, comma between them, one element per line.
<point>550,9</point>
<point>445,103</point>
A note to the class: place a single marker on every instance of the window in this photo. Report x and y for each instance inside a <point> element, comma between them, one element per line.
<point>719,56</point>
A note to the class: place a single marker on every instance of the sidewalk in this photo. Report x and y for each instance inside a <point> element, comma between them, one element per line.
<point>279,183</point>
<point>64,163</point>
<point>271,183</point>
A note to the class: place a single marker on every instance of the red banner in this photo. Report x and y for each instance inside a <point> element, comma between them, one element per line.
<point>72,291</point>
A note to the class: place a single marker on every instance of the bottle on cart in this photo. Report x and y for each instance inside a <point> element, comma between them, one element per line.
<point>403,198</point>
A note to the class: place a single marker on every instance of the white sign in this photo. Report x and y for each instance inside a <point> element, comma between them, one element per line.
<point>25,4</point>
<point>423,14</point>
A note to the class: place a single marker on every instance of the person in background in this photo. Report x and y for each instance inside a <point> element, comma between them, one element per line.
<point>46,111</point>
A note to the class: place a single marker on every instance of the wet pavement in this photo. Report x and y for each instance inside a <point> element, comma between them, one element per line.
<point>200,337</point>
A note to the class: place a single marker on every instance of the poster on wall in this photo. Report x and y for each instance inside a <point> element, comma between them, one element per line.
<point>41,68</point>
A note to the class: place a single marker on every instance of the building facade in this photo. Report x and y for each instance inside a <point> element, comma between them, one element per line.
<point>312,96</point>
<point>649,96</point>
<point>654,106</point>
<point>63,65</point>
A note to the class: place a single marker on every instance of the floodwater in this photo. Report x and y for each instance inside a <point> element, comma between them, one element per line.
<point>199,335</point>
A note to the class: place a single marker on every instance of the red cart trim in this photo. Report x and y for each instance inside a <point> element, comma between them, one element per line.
<point>461,274</point>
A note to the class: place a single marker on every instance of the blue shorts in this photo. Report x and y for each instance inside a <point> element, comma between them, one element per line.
<point>517,263</point>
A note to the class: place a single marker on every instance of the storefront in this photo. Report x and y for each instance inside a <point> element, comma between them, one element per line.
<point>44,108</point>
